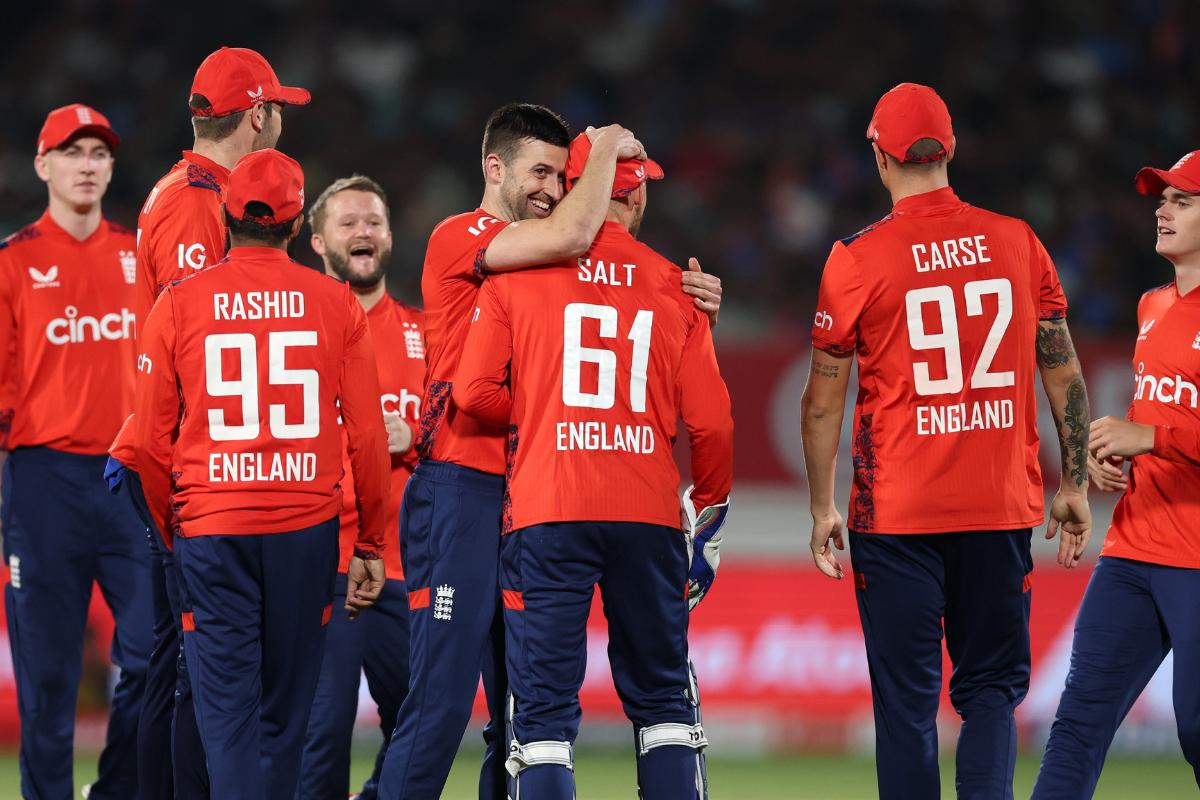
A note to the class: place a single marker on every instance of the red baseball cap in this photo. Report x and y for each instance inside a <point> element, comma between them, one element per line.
<point>268,177</point>
<point>1184,176</point>
<point>631,172</point>
<point>907,113</point>
<point>233,79</point>
<point>64,125</point>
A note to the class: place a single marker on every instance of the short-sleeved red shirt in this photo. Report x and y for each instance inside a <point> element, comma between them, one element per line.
<point>450,280</point>
<point>396,330</point>
<point>941,301</point>
<point>1153,520</point>
<point>244,372</point>
<point>604,355</point>
<point>67,327</point>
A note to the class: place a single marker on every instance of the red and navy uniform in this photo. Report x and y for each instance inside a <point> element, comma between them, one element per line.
<point>940,302</point>
<point>591,363</point>
<point>181,231</point>
<point>377,643</point>
<point>67,323</point>
<point>244,372</point>
<point>1143,599</point>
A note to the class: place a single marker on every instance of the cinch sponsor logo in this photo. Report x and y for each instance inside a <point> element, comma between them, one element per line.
<point>406,404</point>
<point>73,328</point>
<point>823,321</point>
<point>1168,389</point>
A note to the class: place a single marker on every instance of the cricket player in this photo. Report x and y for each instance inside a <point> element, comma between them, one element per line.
<point>951,311</point>
<point>244,371</point>
<point>67,323</point>
<point>590,363</point>
<point>1143,599</point>
<point>236,104</point>
<point>352,234</point>
<point>450,516</point>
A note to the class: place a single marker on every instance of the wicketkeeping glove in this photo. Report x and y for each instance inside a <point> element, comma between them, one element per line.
<point>703,530</point>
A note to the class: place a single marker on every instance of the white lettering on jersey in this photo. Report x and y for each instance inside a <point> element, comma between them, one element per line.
<point>258,466</point>
<point>481,224</point>
<point>608,273</point>
<point>401,404</point>
<point>967,251</point>
<point>593,435</point>
<point>960,417</point>
<point>192,255</point>
<point>1167,389</point>
<point>823,320</point>
<point>258,305</point>
<point>73,328</point>
<point>144,363</point>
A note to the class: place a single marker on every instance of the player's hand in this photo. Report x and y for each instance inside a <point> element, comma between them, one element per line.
<point>364,583</point>
<point>619,138</point>
<point>1117,436</point>
<point>702,527</point>
<point>399,434</point>
<point>1070,514</point>
<point>1107,475</point>
<point>705,288</point>
<point>828,526</point>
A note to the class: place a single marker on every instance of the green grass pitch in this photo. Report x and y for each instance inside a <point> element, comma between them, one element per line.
<point>601,776</point>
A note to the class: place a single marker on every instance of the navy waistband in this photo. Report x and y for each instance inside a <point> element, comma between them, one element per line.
<point>60,458</point>
<point>445,472</point>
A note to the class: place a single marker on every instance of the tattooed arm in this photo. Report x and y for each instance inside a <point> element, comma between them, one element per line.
<point>821,410</point>
<point>1062,378</point>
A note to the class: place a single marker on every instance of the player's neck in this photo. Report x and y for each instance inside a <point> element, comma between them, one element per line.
<point>492,205</point>
<point>225,152</point>
<point>370,296</point>
<point>902,186</point>
<point>80,223</point>
<point>1187,274</point>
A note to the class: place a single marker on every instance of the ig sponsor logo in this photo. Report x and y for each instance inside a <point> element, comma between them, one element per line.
<point>192,255</point>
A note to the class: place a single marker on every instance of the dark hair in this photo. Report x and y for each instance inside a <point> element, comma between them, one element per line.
<point>272,235</point>
<point>510,125</point>
<point>216,129</point>
<point>357,183</point>
<point>925,151</point>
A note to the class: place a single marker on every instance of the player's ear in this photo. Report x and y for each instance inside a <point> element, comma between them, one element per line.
<point>41,167</point>
<point>493,168</point>
<point>318,244</point>
<point>258,116</point>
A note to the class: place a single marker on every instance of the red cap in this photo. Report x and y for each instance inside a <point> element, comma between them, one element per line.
<point>631,172</point>
<point>269,177</point>
<point>70,122</point>
<point>233,79</point>
<point>907,113</point>
<point>1184,176</point>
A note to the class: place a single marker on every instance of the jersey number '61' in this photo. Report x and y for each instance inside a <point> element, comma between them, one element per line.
<point>575,354</point>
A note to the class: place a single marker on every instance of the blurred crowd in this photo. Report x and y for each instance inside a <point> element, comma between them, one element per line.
<point>757,110</point>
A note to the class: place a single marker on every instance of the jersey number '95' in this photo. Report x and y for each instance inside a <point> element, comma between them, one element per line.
<point>948,340</point>
<point>575,355</point>
<point>246,385</point>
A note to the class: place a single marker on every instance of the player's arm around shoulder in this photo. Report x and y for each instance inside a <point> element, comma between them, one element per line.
<point>1062,378</point>
<point>481,382</point>
<point>366,444</point>
<point>575,221</point>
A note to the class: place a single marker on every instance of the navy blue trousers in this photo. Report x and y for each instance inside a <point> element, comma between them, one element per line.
<point>375,644</point>
<point>450,527</point>
<point>552,571</point>
<point>62,531</point>
<point>170,752</point>
<point>256,636</point>
<point>1132,615</point>
<point>973,585</point>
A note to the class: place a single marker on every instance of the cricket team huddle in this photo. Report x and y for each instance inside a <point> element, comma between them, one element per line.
<point>283,479</point>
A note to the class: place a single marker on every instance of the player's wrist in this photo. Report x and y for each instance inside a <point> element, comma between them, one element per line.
<point>367,554</point>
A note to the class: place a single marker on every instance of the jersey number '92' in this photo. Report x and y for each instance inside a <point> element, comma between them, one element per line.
<point>246,386</point>
<point>575,354</point>
<point>948,340</point>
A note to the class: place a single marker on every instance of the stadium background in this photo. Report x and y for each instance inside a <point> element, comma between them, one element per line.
<point>757,111</point>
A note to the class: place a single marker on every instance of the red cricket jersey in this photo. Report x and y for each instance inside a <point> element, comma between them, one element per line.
<point>67,327</point>
<point>239,381</point>
<point>181,230</point>
<point>450,281</point>
<point>604,355</point>
<point>400,359</point>
<point>941,302</point>
<point>1152,520</point>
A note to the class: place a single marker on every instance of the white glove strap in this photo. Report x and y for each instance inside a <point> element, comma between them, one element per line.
<point>522,757</point>
<point>671,733</point>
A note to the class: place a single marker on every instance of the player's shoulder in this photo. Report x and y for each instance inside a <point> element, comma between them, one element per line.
<point>465,226</point>
<point>20,238</point>
<point>186,185</point>
<point>1159,296</point>
<point>118,230</point>
<point>404,311</point>
<point>866,235</point>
